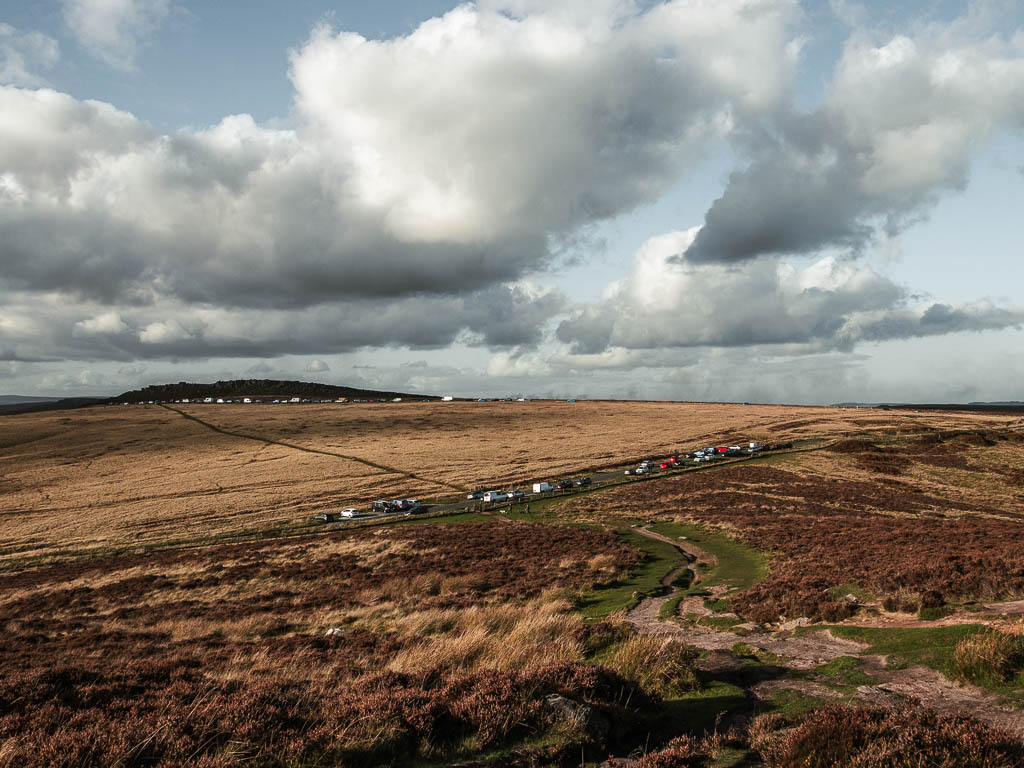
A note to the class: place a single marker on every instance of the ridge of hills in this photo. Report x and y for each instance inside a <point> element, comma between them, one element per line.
<point>258,388</point>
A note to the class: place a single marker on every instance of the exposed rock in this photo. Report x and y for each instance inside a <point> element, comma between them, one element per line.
<point>578,716</point>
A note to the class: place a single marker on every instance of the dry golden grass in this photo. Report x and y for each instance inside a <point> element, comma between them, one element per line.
<point>89,479</point>
<point>486,444</point>
<point>489,637</point>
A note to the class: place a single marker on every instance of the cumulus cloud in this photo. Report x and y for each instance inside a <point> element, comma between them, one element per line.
<point>316,366</point>
<point>113,30</point>
<point>426,179</point>
<point>24,54</point>
<point>901,118</point>
<point>105,322</point>
<point>441,161</point>
<point>667,302</point>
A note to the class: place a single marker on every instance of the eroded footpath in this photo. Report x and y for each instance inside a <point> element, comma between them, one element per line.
<point>807,650</point>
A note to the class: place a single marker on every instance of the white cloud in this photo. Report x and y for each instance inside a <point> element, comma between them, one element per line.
<point>316,366</point>
<point>23,54</point>
<point>668,302</point>
<point>113,30</point>
<point>108,322</point>
<point>901,119</point>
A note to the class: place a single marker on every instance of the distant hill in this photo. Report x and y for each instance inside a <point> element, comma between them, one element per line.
<point>23,399</point>
<point>261,388</point>
<point>1009,406</point>
<point>34,405</point>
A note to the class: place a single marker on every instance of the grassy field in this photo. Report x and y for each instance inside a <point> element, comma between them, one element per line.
<point>163,638</point>
<point>115,477</point>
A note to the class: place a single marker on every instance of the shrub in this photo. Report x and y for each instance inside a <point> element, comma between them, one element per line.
<point>659,665</point>
<point>990,656</point>
<point>681,752</point>
<point>879,738</point>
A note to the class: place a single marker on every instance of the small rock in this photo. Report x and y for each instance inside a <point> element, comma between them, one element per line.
<point>334,631</point>
<point>803,621</point>
<point>579,716</point>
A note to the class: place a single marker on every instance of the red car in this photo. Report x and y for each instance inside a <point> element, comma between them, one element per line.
<point>664,465</point>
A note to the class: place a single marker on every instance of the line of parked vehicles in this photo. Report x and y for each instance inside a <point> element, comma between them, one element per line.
<point>701,455</point>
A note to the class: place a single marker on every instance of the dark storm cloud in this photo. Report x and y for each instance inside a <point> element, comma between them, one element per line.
<point>499,316</point>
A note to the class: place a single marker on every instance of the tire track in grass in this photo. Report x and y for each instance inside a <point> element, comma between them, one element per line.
<point>293,446</point>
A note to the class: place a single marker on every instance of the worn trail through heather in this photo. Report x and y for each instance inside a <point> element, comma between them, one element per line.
<point>811,649</point>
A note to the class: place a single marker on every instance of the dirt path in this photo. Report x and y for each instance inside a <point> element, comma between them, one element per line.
<point>893,687</point>
<point>934,691</point>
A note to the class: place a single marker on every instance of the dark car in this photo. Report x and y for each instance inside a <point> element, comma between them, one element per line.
<point>565,484</point>
<point>382,507</point>
<point>475,495</point>
<point>582,481</point>
<point>326,517</point>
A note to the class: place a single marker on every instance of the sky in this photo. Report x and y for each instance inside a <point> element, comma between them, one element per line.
<point>740,200</point>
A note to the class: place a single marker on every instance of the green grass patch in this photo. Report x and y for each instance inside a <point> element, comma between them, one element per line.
<point>701,710</point>
<point>670,609</point>
<point>718,622</point>
<point>933,613</point>
<point>930,647</point>
<point>739,567</point>
<point>644,580</point>
<point>846,670</point>
<point>461,517</point>
<point>791,702</point>
<point>718,604</point>
<point>838,593</point>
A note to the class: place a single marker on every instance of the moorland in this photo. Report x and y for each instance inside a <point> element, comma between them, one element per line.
<point>166,600</point>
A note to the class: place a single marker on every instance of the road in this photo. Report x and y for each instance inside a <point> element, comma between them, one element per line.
<point>601,479</point>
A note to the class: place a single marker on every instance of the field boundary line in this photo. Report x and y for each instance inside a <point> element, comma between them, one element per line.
<point>293,446</point>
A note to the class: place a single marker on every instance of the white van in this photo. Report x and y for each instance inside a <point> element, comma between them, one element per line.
<point>542,487</point>
<point>495,496</point>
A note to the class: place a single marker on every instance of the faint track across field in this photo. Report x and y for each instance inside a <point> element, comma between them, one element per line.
<point>293,446</point>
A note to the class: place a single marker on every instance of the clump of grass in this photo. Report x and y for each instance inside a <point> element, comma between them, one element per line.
<point>660,665</point>
<point>989,656</point>
<point>879,738</point>
<point>490,637</point>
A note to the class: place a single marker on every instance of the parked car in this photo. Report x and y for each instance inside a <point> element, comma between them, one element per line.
<point>642,470</point>
<point>542,487</point>
<point>350,512</point>
<point>475,495</point>
<point>628,472</point>
<point>495,496</point>
<point>565,484</point>
<point>582,481</point>
<point>516,494</point>
<point>325,517</point>
<point>664,465</point>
